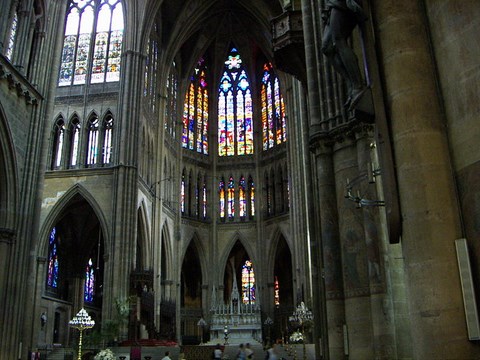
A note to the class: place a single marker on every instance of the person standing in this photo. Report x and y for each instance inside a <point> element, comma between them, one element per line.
<point>241,352</point>
<point>167,356</point>
<point>272,353</point>
<point>248,351</point>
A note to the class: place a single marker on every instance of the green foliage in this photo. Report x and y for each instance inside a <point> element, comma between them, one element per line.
<point>111,328</point>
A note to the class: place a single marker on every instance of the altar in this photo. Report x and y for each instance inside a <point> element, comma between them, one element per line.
<point>235,322</point>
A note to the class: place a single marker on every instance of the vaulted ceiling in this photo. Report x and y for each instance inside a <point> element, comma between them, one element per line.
<point>190,29</point>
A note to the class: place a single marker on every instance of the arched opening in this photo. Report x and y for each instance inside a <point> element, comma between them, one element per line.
<point>283,287</point>
<point>191,295</point>
<point>74,268</point>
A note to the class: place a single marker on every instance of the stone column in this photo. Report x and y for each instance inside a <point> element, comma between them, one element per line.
<point>331,249</point>
<point>353,252</point>
<point>7,240</point>
<point>428,200</point>
<point>23,37</point>
<point>125,180</point>
<point>5,24</point>
<point>382,328</point>
<point>78,290</point>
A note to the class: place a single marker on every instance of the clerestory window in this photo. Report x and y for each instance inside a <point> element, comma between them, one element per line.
<point>274,124</point>
<point>92,44</point>
<point>235,109</point>
<point>195,112</point>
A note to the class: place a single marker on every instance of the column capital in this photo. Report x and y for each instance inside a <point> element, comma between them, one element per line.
<point>7,236</point>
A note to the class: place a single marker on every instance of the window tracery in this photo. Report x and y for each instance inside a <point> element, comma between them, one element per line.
<point>195,113</point>
<point>235,109</point>
<point>92,44</point>
<point>274,124</point>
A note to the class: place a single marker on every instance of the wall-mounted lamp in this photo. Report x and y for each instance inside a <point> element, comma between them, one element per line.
<point>369,176</point>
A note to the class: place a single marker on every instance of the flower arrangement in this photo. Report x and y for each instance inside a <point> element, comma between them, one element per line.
<point>106,354</point>
<point>296,338</point>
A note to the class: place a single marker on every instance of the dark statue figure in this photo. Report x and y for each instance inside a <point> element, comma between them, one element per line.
<point>341,17</point>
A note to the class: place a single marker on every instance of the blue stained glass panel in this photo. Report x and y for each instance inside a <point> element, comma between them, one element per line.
<point>53,271</point>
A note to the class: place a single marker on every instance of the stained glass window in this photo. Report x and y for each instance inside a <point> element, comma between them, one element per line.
<point>221,195</point>
<point>231,198</point>
<point>58,142</point>
<point>195,113</point>
<point>171,106</point>
<point>52,275</point>
<point>74,141</point>
<point>12,37</point>
<point>89,290</point>
<point>204,199</point>
<point>197,197</point>
<point>274,127</point>
<point>242,201</point>
<point>102,22</point>
<point>268,193</point>
<point>235,109</point>
<point>92,142</point>
<point>182,193</point>
<point>107,139</point>
<point>276,288</point>
<point>251,191</point>
<point>151,71</point>
<point>248,283</point>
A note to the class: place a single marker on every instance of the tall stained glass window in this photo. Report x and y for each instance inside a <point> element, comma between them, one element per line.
<point>58,143</point>
<point>12,36</point>
<point>107,139</point>
<point>274,126</point>
<point>171,105</point>
<point>242,200</point>
<point>92,141</point>
<point>276,288</point>
<point>221,195</point>
<point>251,193</point>
<point>52,275</point>
<point>235,110</point>
<point>204,199</point>
<point>151,70</point>
<point>89,290</point>
<point>182,193</point>
<point>92,44</point>
<point>231,198</point>
<point>74,141</point>
<point>248,283</point>
<point>195,112</point>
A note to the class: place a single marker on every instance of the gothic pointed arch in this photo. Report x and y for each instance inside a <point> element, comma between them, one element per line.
<point>166,268</point>
<point>143,258</point>
<point>76,251</point>
<point>58,143</point>
<point>283,293</point>
<point>192,278</point>
<point>234,258</point>
<point>92,128</point>
<point>8,180</point>
<point>73,141</point>
<point>196,241</point>
<point>77,191</point>
<point>107,137</point>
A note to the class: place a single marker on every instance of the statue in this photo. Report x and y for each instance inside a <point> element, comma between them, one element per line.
<point>341,17</point>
